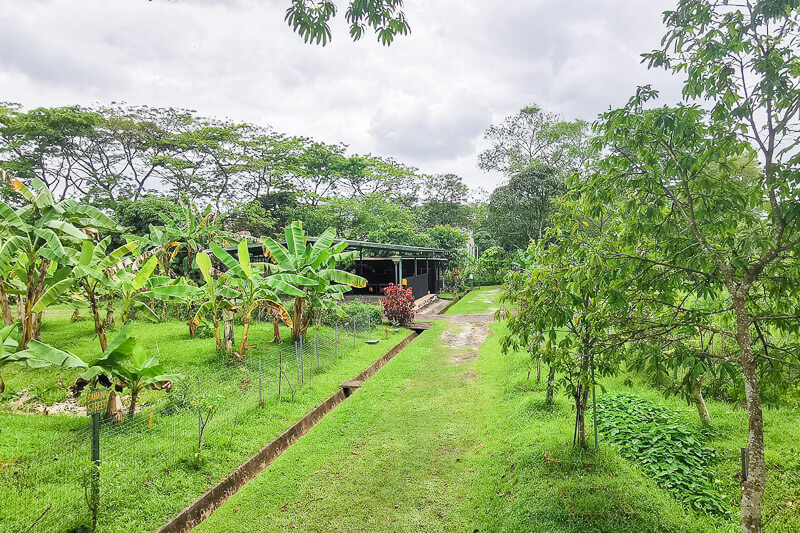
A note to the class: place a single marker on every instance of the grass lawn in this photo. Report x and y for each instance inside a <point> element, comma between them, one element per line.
<point>478,301</point>
<point>428,445</point>
<point>149,471</point>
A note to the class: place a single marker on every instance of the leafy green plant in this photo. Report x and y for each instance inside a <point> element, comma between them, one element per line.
<point>347,311</point>
<point>672,453</point>
<point>316,262</point>
<point>144,372</point>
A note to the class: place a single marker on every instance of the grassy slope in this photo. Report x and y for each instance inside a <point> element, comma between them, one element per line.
<point>152,469</point>
<point>421,448</point>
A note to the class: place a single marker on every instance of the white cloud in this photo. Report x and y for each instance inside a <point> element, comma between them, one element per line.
<point>426,99</point>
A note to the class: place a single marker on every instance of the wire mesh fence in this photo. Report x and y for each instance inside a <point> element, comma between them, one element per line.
<point>177,445</point>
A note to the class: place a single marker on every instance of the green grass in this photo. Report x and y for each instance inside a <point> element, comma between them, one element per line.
<point>421,448</point>
<point>149,475</point>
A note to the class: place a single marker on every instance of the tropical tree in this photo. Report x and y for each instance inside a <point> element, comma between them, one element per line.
<point>254,289</point>
<point>315,262</point>
<point>123,358</point>
<point>92,273</point>
<point>570,300</point>
<point>40,236</point>
<point>131,288</point>
<point>141,372</point>
<point>310,19</point>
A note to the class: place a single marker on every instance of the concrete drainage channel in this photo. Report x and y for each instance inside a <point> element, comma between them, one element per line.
<point>209,502</point>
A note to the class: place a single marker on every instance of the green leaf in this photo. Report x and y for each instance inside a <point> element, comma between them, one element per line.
<point>204,264</point>
<point>144,273</point>
<point>244,257</point>
<point>52,295</point>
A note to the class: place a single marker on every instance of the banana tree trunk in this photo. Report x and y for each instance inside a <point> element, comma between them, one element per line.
<point>34,289</point>
<point>276,331</point>
<point>245,331</point>
<point>298,325</point>
<point>132,408</point>
<point>227,319</point>
<point>98,324</point>
<point>217,339</point>
<point>8,319</point>
<point>109,317</point>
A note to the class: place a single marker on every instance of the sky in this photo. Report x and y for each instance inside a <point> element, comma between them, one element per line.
<point>425,100</point>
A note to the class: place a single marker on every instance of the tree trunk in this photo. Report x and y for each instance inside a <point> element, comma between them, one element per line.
<point>192,328</point>
<point>8,319</point>
<point>276,331</point>
<point>539,369</point>
<point>109,317</point>
<point>699,401</point>
<point>245,331</point>
<point>753,486</point>
<point>132,408</point>
<point>34,289</point>
<point>581,401</point>
<point>217,339</point>
<point>297,318</point>
<point>98,324</point>
<point>227,319</point>
<point>551,377</point>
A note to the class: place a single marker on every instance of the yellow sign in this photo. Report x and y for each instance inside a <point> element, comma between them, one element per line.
<point>96,401</point>
<point>405,282</point>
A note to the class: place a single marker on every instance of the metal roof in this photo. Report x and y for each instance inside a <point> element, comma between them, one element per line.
<point>366,245</point>
<point>362,245</point>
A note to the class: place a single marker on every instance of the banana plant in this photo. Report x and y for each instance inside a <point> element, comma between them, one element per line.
<point>131,288</point>
<point>254,289</point>
<point>141,373</point>
<point>317,263</point>
<point>214,295</point>
<point>9,353</point>
<point>92,272</point>
<point>38,237</point>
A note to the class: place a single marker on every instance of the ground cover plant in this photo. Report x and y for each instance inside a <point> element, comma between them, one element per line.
<point>671,452</point>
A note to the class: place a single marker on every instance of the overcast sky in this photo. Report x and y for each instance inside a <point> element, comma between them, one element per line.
<point>426,99</point>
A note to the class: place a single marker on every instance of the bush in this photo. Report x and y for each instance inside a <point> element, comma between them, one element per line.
<point>398,305</point>
<point>363,313</point>
<point>493,266</point>
<point>455,281</point>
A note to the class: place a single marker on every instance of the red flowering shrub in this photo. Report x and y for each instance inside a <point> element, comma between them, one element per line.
<point>398,305</point>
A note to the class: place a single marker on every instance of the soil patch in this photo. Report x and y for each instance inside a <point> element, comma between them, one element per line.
<point>469,376</point>
<point>471,334</point>
<point>26,403</point>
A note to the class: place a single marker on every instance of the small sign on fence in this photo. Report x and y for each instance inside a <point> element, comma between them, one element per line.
<point>96,401</point>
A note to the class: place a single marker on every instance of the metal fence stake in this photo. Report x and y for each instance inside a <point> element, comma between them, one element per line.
<point>335,340</point>
<point>302,357</point>
<point>280,370</point>
<point>354,332</point>
<point>260,385</point>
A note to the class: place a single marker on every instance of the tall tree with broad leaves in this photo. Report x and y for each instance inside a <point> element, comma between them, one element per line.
<point>520,209</point>
<point>534,136</point>
<point>678,166</point>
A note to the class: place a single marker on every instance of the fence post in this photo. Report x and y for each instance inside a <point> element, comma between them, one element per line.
<point>316,344</point>
<point>297,359</point>
<point>354,332</point>
<point>280,371</point>
<point>199,418</point>
<point>335,340</point>
<point>95,469</point>
<point>302,356</point>
<point>260,389</point>
<point>594,409</point>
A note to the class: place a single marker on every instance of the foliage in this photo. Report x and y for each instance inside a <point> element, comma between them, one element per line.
<point>136,216</point>
<point>454,281</point>
<point>348,311</point>
<point>310,19</point>
<point>398,304</point>
<point>493,265</point>
<point>520,210</point>
<point>314,268</point>
<point>452,240</point>
<point>36,238</point>
<point>668,451</point>
<point>534,137</point>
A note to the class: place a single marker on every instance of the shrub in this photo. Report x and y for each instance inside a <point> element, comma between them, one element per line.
<point>454,281</point>
<point>398,305</point>
<point>493,266</point>
<point>363,313</point>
